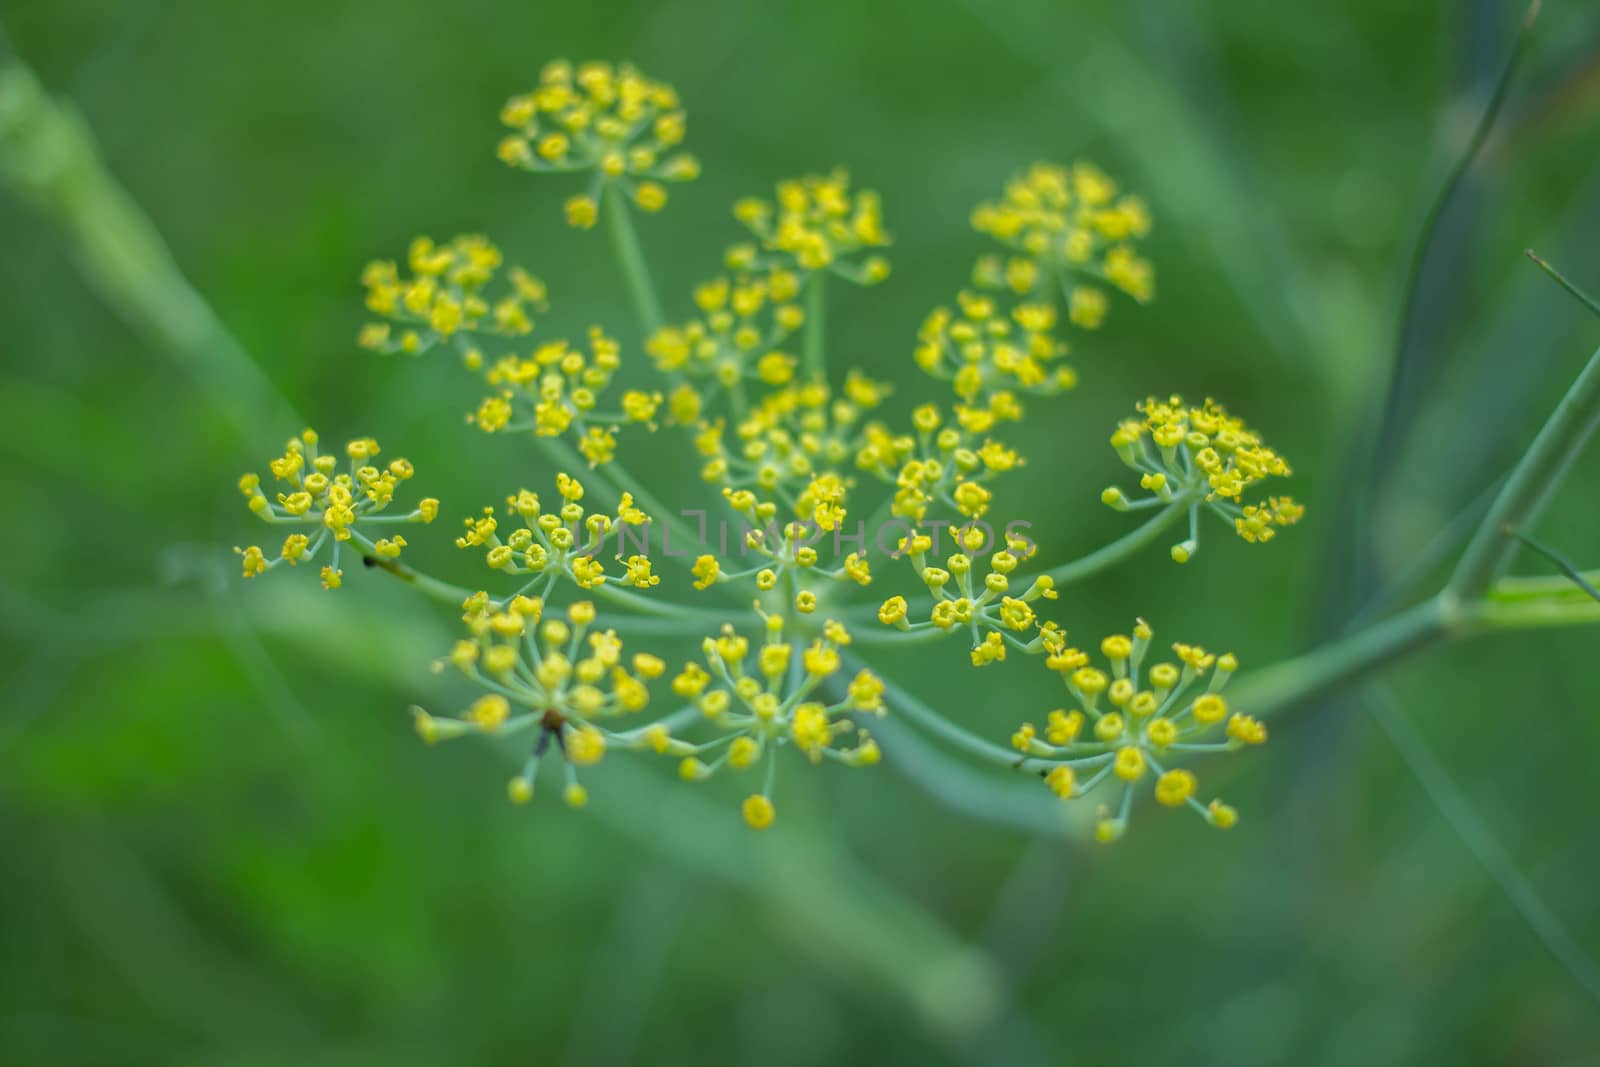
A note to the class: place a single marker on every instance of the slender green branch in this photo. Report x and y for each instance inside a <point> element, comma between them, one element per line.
<point>1530,484</point>
<point>1570,608</point>
<point>428,586</point>
<point>625,242</point>
<point>913,710</point>
<point>1541,587</point>
<point>1358,657</point>
<point>815,352</point>
<point>1561,279</point>
<point>1561,562</point>
<point>1458,811</point>
<point>1463,164</point>
<point>1332,667</point>
<point>49,158</point>
<point>1118,550</point>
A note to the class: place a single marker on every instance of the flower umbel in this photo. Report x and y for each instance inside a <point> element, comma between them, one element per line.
<point>1132,724</point>
<point>613,123</point>
<point>1201,457</point>
<point>330,506</point>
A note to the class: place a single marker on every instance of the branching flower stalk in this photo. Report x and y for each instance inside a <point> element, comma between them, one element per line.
<point>791,451</point>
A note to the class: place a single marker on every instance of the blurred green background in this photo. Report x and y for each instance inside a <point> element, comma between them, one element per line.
<point>224,843</point>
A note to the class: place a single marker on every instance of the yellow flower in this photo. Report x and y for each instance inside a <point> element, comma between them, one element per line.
<point>1204,457</point>
<point>1065,224</point>
<point>1179,714</point>
<point>758,812</point>
<point>611,121</point>
<point>818,222</point>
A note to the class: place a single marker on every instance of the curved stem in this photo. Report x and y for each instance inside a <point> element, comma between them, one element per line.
<point>1530,485</point>
<point>1331,667</point>
<point>625,242</point>
<point>1118,550</point>
<point>914,710</point>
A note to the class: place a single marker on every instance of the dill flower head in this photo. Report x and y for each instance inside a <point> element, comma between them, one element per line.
<point>816,223</point>
<point>620,127</point>
<point>1134,724</point>
<point>977,593</point>
<point>742,322</point>
<point>560,539</point>
<point>936,460</point>
<point>564,677</point>
<point>558,386</point>
<point>763,698</point>
<point>1203,457</point>
<point>330,503</point>
<point>449,292</point>
<point>793,438</point>
<point>984,351</point>
<point>1067,228</point>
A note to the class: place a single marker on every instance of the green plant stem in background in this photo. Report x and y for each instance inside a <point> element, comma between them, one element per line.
<point>48,158</point>
<point>1458,811</point>
<point>1563,564</point>
<point>815,351</point>
<point>939,726</point>
<point>1561,279</point>
<point>1530,485</point>
<point>625,241</point>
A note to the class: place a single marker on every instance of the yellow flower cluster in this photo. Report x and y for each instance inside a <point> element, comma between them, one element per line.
<point>563,677</point>
<point>979,605</point>
<point>1131,724</point>
<point>816,224</point>
<point>984,352</point>
<point>939,462</point>
<point>565,542</point>
<point>1065,224</point>
<point>736,337</point>
<point>794,444</point>
<point>770,697</point>
<point>335,506</point>
<point>611,122</point>
<point>557,387</point>
<point>1201,457</point>
<point>446,294</point>
<point>785,450</point>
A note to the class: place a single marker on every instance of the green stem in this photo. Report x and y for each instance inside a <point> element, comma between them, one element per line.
<point>1118,550</point>
<point>1331,667</point>
<point>908,707</point>
<point>815,352</point>
<point>1360,656</point>
<point>1540,587</point>
<point>1567,568</point>
<point>1530,485</point>
<point>431,587</point>
<point>1561,279</point>
<point>625,242</point>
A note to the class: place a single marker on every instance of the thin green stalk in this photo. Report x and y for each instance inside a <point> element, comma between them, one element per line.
<point>913,710</point>
<point>49,158</point>
<point>1355,658</point>
<point>815,351</point>
<point>1118,550</point>
<point>1577,577</point>
<point>625,242</point>
<point>1540,587</point>
<point>1458,811</point>
<point>1561,279</point>
<point>428,586</point>
<point>1530,485</point>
